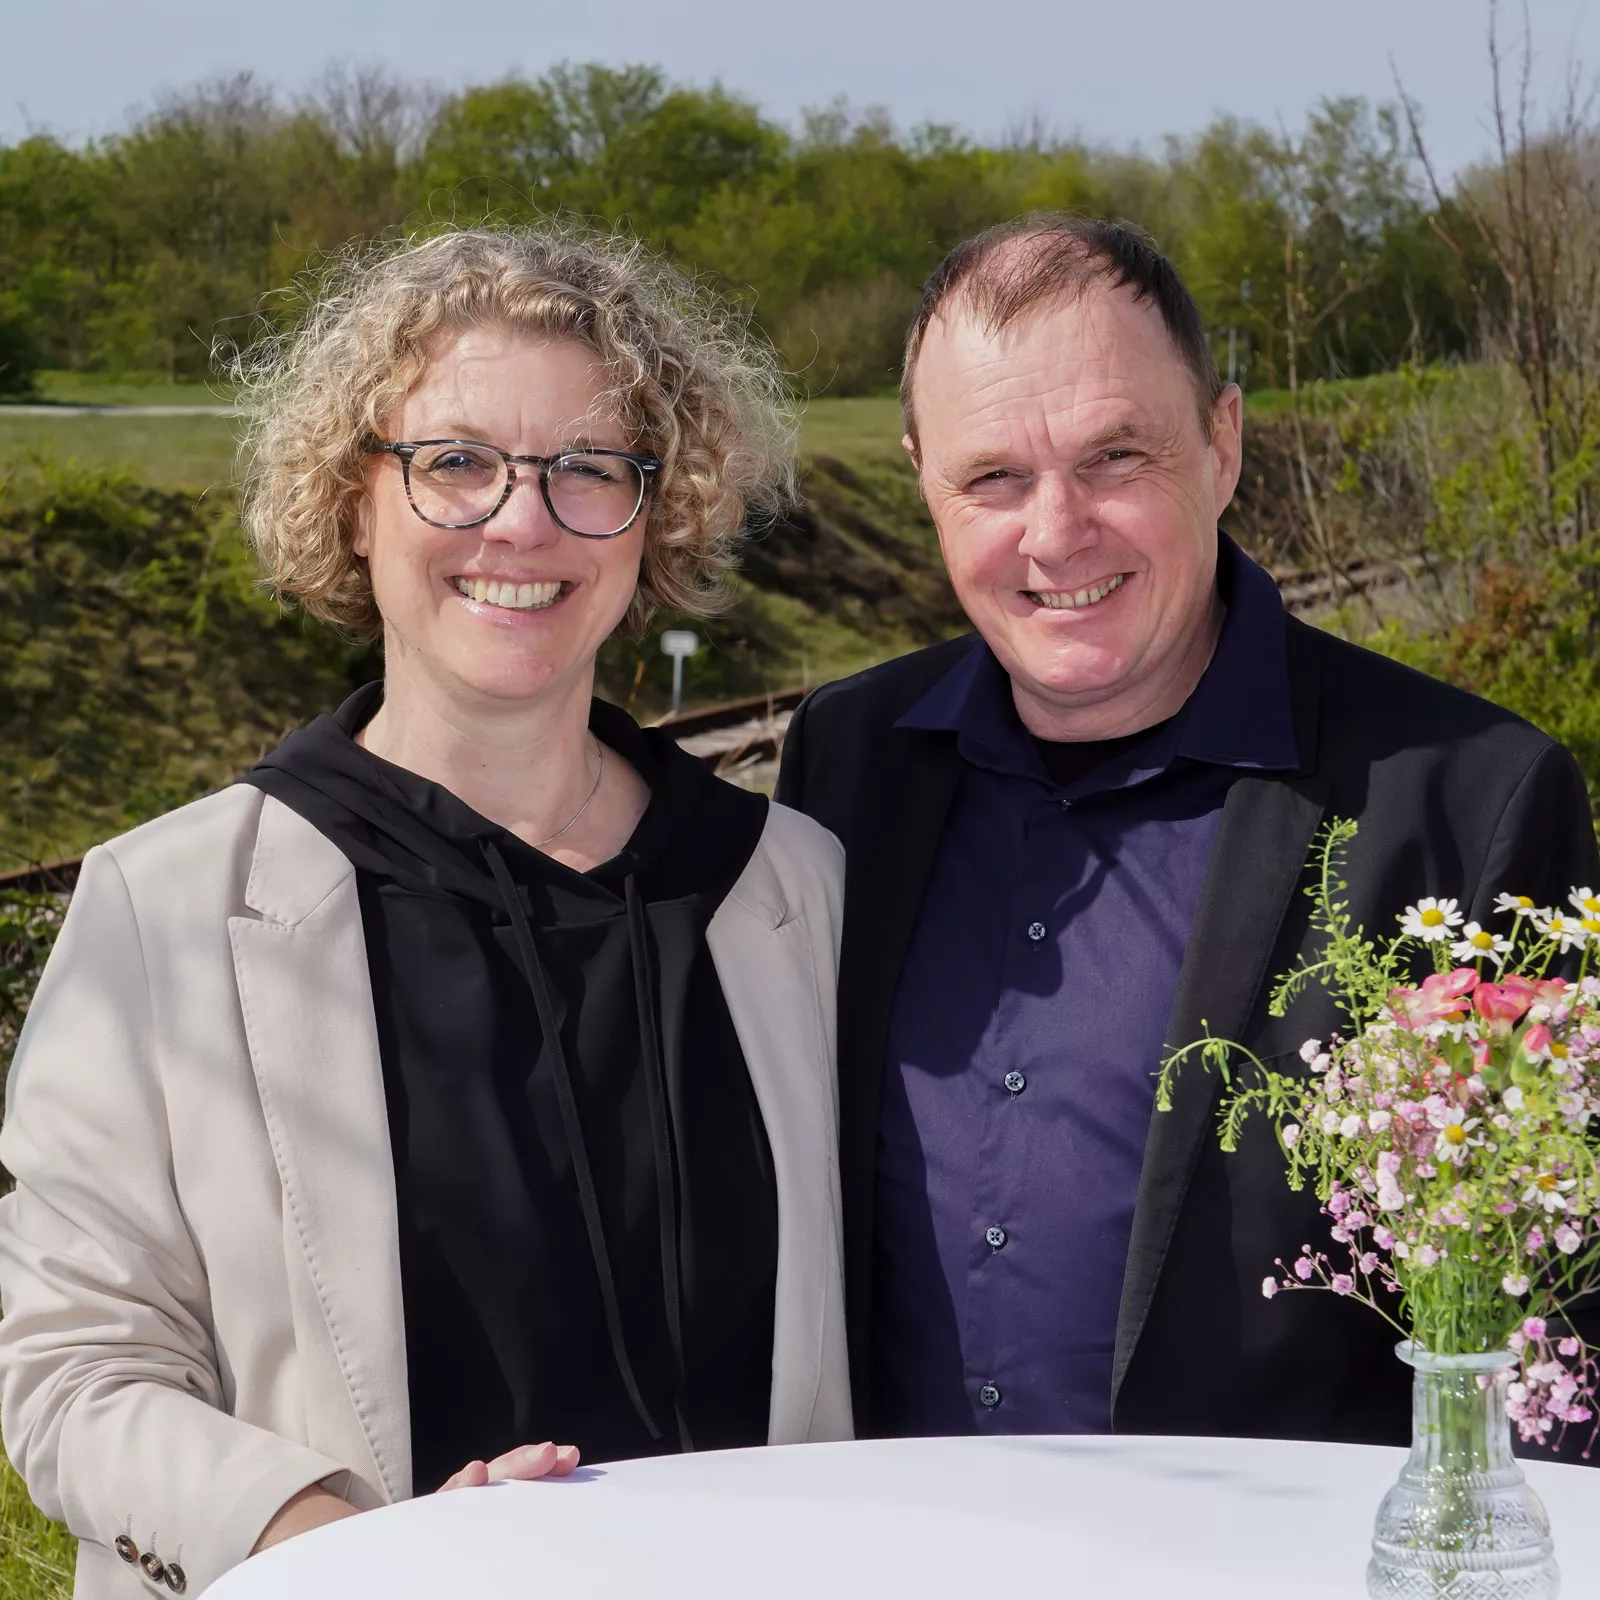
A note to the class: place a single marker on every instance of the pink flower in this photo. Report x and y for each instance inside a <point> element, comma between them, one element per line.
<point>1383,1238</point>
<point>1442,998</point>
<point>1533,1328</point>
<point>1535,1240</point>
<point>1269,1287</point>
<point>1570,1346</point>
<point>1343,1283</point>
<point>1502,1005</point>
<point>1427,1256</point>
<point>1567,1238</point>
<point>1369,1262</point>
<point>1291,1135</point>
<point>1303,1268</point>
<point>1515,1284</point>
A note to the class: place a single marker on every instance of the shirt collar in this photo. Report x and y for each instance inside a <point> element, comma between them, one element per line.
<point>1238,716</point>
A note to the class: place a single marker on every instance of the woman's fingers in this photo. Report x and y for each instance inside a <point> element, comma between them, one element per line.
<point>472,1476</point>
<point>526,1462</point>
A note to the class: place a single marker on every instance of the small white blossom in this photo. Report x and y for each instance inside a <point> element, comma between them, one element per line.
<point>1430,920</point>
<point>1567,932</point>
<point>1309,1052</point>
<point>1478,944</point>
<point>1519,905</point>
<point>1515,1284</point>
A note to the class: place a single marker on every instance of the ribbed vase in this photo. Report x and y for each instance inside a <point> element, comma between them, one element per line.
<point>1461,1523</point>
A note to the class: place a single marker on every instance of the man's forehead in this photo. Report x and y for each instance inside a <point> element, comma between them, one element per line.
<point>1075,331</point>
<point>1103,362</point>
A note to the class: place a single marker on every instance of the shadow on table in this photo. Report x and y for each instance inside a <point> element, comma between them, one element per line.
<point>1137,1451</point>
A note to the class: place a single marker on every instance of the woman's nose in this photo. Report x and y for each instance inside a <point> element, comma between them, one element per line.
<point>523,518</point>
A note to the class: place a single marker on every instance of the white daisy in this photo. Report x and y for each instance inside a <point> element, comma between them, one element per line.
<point>1519,905</point>
<point>1567,932</point>
<point>1478,944</point>
<point>1431,920</point>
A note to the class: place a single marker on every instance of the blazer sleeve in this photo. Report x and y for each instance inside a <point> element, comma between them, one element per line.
<point>1544,844</point>
<point>113,1407</point>
<point>791,785</point>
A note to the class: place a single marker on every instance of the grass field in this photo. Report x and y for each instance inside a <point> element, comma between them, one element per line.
<point>36,1555</point>
<point>195,454</point>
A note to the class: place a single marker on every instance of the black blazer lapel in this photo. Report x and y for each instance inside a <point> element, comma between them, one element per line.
<point>886,874</point>
<point>1269,823</point>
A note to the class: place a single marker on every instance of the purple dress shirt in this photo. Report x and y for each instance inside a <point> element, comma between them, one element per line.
<point>1029,1023</point>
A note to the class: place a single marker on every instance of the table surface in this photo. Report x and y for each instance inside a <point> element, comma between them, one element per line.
<point>1116,1518</point>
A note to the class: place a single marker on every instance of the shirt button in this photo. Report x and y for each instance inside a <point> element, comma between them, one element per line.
<point>996,1238</point>
<point>1037,931</point>
<point>989,1395</point>
<point>1015,1082</point>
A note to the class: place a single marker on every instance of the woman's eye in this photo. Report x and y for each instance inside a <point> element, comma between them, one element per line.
<point>456,464</point>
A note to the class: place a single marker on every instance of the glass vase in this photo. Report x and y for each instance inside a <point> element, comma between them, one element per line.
<point>1462,1521</point>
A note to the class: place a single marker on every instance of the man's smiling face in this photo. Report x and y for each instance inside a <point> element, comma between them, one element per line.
<point>1076,496</point>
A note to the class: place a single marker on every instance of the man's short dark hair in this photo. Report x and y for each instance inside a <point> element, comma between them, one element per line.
<point>1049,256</point>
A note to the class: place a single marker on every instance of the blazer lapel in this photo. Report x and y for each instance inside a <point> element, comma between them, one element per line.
<point>1266,832</point>
<point>768,967</point>
<point>886,874</point>
<point>301,967</point>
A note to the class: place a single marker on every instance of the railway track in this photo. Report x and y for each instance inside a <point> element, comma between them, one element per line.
<point>740,738</point>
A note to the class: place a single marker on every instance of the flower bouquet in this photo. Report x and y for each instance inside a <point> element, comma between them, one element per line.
<point>1449,1135</point>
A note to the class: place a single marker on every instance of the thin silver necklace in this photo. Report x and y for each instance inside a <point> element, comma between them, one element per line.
<point>539,844</point>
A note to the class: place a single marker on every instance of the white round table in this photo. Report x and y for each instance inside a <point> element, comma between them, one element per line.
<point>930,1519</point>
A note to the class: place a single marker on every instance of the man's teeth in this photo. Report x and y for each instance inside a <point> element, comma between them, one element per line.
<point>1057,601</point>
<point>512,596</point>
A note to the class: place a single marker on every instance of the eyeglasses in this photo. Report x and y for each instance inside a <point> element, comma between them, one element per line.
<point>459,483</point>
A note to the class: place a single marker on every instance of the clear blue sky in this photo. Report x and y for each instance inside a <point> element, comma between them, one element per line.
<point>1108,70</point>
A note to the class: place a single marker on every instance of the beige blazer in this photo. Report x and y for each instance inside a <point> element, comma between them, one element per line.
<point>199,1265</point>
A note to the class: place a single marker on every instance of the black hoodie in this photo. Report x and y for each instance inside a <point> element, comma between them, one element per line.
<point>588,1224</point>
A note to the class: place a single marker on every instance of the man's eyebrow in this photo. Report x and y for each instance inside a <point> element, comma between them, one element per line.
<point>1118,433</point>
<point>982,461</point>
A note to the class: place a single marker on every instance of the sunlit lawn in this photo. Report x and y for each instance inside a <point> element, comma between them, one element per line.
<point>36,1555</point>
<point>197,453</point>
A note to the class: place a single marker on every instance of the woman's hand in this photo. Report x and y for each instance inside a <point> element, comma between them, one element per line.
<point>311,1508</point>
<point>526,1462</point>
<point>316,1506</point>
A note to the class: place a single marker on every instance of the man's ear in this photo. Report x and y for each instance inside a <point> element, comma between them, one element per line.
<point>909,445</point>
<point>1227,442</point>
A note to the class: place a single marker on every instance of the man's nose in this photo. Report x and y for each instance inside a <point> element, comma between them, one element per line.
<point>1060,519</point>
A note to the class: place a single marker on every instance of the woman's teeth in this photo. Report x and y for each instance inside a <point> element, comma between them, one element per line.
<point>511,596</point>
<point>1058,601</point>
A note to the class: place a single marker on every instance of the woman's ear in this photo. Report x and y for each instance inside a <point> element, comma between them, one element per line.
<point>361,525</point>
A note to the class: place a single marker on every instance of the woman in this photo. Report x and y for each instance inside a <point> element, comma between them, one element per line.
<point>462,1080</point>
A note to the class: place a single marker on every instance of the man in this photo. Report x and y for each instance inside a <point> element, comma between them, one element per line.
<point>1079,837</point>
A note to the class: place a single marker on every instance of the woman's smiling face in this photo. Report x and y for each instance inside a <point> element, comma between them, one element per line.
<point>560,596</point>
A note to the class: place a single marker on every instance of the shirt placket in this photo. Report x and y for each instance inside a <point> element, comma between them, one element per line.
<point>998,1225</point>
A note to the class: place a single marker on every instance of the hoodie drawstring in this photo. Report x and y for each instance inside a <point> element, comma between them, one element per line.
<point>661,1138</point>
<point>655,1087</point>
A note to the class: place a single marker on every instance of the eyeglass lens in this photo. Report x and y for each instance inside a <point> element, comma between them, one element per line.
<point>455,484</point>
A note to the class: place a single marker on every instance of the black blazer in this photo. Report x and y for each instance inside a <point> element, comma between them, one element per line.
<point>1454,796</point>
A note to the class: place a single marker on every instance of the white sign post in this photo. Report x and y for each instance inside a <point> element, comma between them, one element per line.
<point>680,644</point>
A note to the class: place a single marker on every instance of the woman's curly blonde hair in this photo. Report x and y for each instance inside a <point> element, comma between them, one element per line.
<point>687,379</point>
